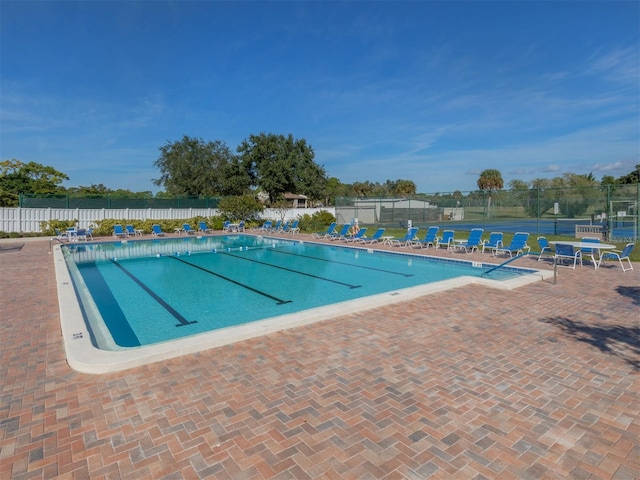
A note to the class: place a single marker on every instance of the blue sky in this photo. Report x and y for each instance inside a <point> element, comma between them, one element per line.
<point>434,92</point>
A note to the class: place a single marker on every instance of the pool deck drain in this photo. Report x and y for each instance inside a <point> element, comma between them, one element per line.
<point>537,382</point>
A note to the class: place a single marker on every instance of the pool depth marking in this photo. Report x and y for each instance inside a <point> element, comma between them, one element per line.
<point>279,301</point>
<point>183,321</point>
<point>342,263</point>
<point>293,271</point>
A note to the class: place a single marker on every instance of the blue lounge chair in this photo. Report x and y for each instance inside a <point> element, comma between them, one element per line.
<point>342,234</point>
<point>202,228</point>
<point>518,245</point>
<point>61,236</point>
<point>84,234</point>
<point>358,236</point>
<point>473,242</point>
<point>284,228</point>
<point>325,234</point>
<point>119,232</point>
<point>619,255</point>
<point>226,226</point>
<point>156,230</point>
<point>294,227</point>
<point>590,252</point>
<point>406,240</point>
<point>131,231</point>
<point>375,238</point>
<point>447,239</point>
<point>566,252</point>
<point>430,238</point>
<point>186,228</point>
<point>545,248</point>
<point>495,241</point>
<point>267,226</point>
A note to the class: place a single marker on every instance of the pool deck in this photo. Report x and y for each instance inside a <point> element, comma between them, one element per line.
<point>538,382</point>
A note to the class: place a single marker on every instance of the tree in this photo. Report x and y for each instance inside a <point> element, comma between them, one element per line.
<point>572,193</point>
<point>279,165</point>
<point>17,177</point>
<point>584,193</point>
<point>91,190</point>
<point>281,208</point>
<point>405,187</point>
<point>361,189</point>
<point>490,180</point>
<point>236,180</point>
<point>193,167</point>
<point>244,207</point>
<point>632,177</point>
<point>526,196</point>
<point>335,189</point>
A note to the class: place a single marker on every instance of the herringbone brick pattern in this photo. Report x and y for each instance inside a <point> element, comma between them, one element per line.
<point>473,383</point>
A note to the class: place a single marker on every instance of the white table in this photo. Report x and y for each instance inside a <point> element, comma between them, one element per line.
<point>72,234</point>
<point>592,245</point>
<point>387,240</point>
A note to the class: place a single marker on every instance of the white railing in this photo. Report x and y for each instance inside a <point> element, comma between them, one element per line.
<point>27,220</point>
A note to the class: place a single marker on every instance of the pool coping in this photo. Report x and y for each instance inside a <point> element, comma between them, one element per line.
<point>84,357</point>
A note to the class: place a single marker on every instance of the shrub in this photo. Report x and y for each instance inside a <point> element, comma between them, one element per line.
<point>317,222</point>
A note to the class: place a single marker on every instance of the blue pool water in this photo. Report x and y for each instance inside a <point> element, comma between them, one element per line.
<point>152,291</point>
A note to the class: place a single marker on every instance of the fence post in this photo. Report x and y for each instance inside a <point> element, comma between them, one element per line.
<point>538,211</point>
<point>484,206</point>
<point>637,214</point>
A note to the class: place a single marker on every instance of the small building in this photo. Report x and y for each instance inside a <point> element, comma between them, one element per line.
<point>296,201</point>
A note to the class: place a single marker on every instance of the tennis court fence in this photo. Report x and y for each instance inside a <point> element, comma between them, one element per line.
<point>610,212</point>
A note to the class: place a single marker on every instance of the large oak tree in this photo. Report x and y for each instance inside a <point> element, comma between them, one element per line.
<point>279,165</point>
<point>17,177</point>
<point>193,167</point>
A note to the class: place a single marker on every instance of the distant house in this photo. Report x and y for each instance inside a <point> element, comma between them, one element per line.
<point>296,201</point>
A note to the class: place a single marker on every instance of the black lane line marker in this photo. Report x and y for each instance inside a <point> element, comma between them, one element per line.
<point>183,321</point>
<point>293,271</point>
<point>344,263</point>
<point>279,301</point>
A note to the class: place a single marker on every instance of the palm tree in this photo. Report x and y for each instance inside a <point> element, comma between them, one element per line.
<point>490,179</point>
<point>405,188</point>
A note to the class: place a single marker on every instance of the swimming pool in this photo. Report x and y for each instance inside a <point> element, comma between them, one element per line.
<point>137,295</point>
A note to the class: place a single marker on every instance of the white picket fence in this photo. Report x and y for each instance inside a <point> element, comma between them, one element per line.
<point>27,220</point>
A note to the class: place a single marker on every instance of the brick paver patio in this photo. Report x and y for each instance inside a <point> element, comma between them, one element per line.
<point>539,382</point>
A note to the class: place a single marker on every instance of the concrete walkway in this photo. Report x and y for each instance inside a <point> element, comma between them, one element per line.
<point>539,382</point>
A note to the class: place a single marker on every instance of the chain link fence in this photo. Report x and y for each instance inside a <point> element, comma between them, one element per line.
<point>612,210</point>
